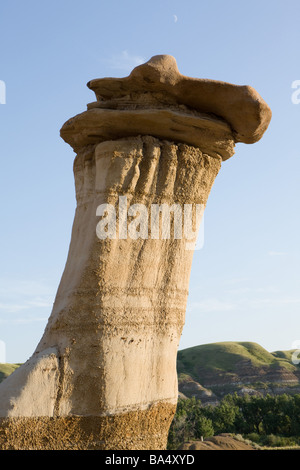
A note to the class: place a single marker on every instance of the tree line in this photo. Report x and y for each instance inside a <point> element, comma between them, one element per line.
<point>268,420</point>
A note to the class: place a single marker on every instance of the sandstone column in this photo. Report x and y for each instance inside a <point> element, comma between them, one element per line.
<point>104,373</point>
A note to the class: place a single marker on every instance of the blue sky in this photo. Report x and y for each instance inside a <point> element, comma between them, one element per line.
<point>245,280</point>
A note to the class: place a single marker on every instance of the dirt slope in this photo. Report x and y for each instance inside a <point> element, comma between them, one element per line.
<point>222,442</point>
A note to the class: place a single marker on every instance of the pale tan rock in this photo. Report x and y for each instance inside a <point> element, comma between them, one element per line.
<point>212,135</point>
<point>104,373</point>
<point>32,390</point>
<point>240,106</point>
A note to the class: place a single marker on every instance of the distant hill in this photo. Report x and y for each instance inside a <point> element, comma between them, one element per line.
<point>6,370</point>
<point>210,371</point>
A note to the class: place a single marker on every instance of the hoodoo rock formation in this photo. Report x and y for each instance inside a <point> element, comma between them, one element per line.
<point>104,373</point>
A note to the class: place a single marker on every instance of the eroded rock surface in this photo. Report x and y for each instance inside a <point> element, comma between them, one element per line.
<point>104,373</point>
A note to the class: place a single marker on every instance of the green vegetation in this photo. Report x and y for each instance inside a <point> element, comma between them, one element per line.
<point>224,357</point>
<point>6,370</point>
<point>272,421</point>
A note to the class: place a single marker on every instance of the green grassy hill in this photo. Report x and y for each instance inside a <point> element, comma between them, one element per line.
<point>7,369</point>
<point>209,371</point>
<point>226,356</point>
<point>241,367</point>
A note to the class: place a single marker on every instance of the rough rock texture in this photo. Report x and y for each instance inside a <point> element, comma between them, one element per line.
<point>104,373</point>
<point>189,388</point>
<point>135,430</point>
<point>240,106</point>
